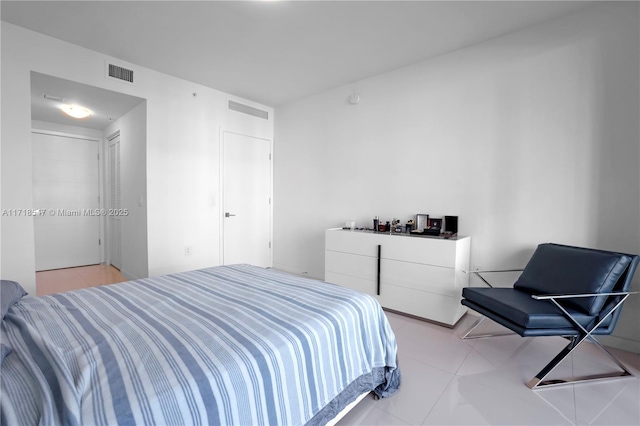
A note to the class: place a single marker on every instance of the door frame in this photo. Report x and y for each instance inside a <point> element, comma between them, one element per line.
<point>101,176</point>
<point>107,190</point>
<point>221,207</point>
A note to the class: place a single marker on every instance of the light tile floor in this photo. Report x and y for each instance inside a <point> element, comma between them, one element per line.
<point>448,381</point>
<point>59,280</point>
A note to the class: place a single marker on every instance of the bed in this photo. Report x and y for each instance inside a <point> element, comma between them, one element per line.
<point>237,345</point>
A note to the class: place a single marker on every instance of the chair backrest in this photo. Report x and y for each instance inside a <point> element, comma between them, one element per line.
<point>560,269</point>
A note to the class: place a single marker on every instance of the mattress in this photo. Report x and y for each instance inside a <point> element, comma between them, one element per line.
<point>235,344</point>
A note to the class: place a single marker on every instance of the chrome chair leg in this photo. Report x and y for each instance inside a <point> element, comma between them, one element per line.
<point>616,360</point>
<point>539,381</point>
<point>475,325</point>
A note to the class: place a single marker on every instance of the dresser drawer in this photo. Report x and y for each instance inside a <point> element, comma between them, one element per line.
<point>354,265</point>
<point>443,309</point>
<point>426,278</point>
<point>354,283</point>
<point>428,251</point>
<point>362,243</point>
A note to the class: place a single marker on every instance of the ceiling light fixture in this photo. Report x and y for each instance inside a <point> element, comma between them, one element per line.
<point>76,111</point>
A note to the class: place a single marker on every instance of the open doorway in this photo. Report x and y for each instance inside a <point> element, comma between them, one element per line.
<point>74,182</point>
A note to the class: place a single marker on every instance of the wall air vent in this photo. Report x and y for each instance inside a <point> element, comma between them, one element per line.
<point>119,73</point>
<point>246,109</point>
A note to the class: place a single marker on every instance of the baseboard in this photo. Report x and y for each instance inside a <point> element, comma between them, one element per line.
<point>288,270</point>
<point>620,343</point>
<point>128,276</point>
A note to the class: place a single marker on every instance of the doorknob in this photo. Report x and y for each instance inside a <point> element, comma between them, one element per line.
<point>227,214</point>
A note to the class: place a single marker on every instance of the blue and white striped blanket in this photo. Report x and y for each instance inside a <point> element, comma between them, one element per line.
<point>237,345</point>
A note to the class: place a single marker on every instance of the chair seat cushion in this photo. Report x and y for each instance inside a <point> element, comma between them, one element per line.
<point>519,308</point>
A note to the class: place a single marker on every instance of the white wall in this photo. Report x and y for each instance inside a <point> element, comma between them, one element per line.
<point>528,138</point>
<point>133,189</point>
<point>182,157</point>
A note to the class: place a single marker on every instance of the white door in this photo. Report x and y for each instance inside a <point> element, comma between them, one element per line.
<point>115,225</point>
<point>66,188</point>
<point>246,200</point>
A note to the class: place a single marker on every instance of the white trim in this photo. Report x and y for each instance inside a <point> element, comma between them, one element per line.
<point>108,159</point>
<point>102,195</point>
<point>113,135</point>
<point>221,196</point>
<point>248,135</point>
<point>622,343</point>
<point>66,135</point>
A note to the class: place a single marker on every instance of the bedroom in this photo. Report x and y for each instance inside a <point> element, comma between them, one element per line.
<point>534,135</point>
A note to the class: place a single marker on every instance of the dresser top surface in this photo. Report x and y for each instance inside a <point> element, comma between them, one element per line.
<point>401,234</point>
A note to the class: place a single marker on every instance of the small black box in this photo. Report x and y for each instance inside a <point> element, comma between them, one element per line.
<point>451,224</point>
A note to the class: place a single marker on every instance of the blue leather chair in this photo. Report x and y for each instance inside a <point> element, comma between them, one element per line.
<point>564,291</point>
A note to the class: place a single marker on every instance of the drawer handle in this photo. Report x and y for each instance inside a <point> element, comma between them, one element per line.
<point>379,257</point>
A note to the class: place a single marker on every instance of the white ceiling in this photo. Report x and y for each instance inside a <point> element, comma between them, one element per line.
<point>106,105</point>
<point>274,52</point>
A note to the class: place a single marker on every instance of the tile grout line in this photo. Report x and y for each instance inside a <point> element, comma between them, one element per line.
<point>75,270</point>
<point>435,404</point>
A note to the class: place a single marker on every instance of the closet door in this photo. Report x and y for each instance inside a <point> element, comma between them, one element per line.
<point>115,203</point>
<point>66,188</point>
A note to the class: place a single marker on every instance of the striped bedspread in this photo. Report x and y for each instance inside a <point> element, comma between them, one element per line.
<point>236,345</point>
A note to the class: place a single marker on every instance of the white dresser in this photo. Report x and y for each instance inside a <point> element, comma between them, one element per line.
<point>417,275</point>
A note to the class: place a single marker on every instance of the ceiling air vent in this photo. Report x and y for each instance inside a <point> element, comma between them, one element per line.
<point>119,73</point>
<point>246,109</point>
